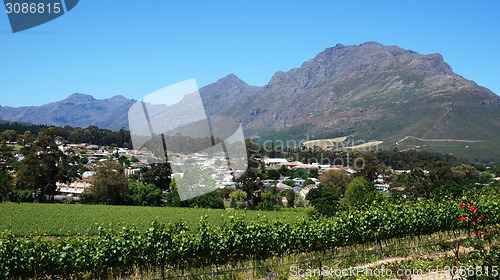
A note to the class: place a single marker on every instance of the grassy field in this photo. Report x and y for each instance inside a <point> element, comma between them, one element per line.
<point>16,147</point>
<point>77,219</point>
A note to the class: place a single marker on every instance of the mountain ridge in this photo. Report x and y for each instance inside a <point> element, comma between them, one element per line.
<point>78,110</point>
<point>373,91</point>
<point>338,76</point>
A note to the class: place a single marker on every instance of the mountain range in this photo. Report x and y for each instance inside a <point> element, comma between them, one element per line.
<point>78,110</point>
<point>368,91</point>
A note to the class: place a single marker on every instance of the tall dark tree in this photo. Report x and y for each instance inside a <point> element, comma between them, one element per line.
<point>290,197</point>
<point>44,165</point>
<point>5,178</point>
<point>254,154</point>
<point>248,183</point>
<point>158,175</point>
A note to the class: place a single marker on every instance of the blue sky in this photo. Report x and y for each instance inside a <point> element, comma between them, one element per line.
<point>132,48</point>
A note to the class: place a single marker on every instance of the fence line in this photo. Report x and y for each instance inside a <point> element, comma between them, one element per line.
<point>317,260</point>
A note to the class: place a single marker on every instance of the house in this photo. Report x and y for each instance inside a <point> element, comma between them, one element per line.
<point>382,187</point>
<point>88,174</point>
<point>305,190</point>
<point>305,167</point>
<point>298,181</point>
<point>275,162</point>
<point>322,167</point>
<point>399,172</point>
<point>282,187</point>
<point>130,171</point>
<point>75,188</point>
<point>290,165</point>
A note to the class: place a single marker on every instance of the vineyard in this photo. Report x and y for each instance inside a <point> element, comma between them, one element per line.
<point>79,219</point>
<point>233,240</point>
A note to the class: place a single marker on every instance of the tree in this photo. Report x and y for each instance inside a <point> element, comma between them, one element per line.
<point>210,200</point>
<point>109,186</point>
<point>308,182</point>
<point>144,195</point>
<point>497,171</point>
<point>6,158</point>
<point>272,174</point>
<point>172,198</point>
<point>324,199</point>
<point>358,191</point>
<point>21,196</point>
<point>299,173</point>
<point>254,154</point>
<point>247,182</point>
<point>416,184</point>
<point>366,164</point>
<point>464,174</point>
<point>336,179</point>
<point>124,160</point>
<point>158,175</point>
<point>8,136</point>
<point>449,189</point>
<point>270,201</point>
<point>238,198</point>
<point>283,170</point>
<point>314,173</point>
<point>134,159</point>
<point>225,192</point>
<point>44,165</point>
<point>289,182</point>
<point>290,197</point>
<point>238,195</point>
<point>5,184</point>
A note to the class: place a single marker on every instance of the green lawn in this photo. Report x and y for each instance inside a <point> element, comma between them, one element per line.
<point>16,147</point>
<point>77,219</point>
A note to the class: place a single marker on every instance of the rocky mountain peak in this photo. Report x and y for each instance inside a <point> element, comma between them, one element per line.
<point>119,99</point>
<point>231,81</point>
<point>225,92</point>
<point>343,62</point>
<point>80,97</point>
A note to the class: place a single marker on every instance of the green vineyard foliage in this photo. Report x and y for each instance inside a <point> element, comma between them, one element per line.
<point>176,245</point>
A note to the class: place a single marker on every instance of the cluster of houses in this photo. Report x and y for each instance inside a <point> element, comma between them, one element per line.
<point>299,187</point>
<point>380,183</point>
<point>94,154</point>
<point>217,166</point>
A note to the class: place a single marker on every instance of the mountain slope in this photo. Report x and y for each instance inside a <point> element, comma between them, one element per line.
<point>82,110</point>
<point>371,91</point>
<point>79,110</point>
<point>331,86</point>
<point>375,92</point>
<point>225,93</point>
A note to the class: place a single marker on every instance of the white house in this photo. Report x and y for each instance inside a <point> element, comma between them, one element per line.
<point>275,162</point>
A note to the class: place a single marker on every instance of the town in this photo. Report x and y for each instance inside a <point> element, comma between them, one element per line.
<point>270,181</point>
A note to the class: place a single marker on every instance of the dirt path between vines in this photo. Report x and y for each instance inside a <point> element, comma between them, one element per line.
<point>426,274</point>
